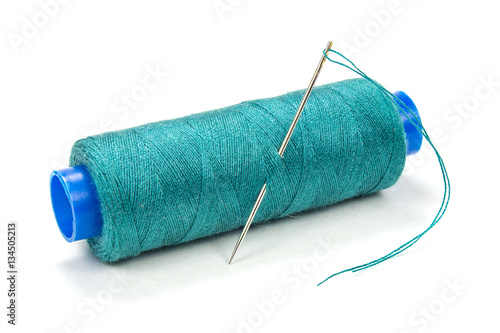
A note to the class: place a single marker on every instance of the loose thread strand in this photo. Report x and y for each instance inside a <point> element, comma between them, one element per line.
<point>418,125</point>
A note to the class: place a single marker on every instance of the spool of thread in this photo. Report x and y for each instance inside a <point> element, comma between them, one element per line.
<point>174,181</point>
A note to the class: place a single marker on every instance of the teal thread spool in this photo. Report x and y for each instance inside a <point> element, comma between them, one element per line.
<point>174,181</point>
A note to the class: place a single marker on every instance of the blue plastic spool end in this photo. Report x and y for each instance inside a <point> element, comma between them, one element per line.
<point>75,203</point>
<point>413,136</point>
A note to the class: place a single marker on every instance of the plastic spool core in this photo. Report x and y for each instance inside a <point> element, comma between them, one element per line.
<point>413,136</point>
<point>62,210</point>
<point>76,204</point>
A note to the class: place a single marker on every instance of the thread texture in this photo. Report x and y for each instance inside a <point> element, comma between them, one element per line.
<point>174,181</point>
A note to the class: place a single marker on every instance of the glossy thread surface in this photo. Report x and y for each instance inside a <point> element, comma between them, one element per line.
<point>178,180</point>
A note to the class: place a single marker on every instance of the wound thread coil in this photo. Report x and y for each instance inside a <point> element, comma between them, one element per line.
<point>174,181</point>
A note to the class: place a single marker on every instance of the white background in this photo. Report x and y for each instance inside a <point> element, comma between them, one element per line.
<point>61,83</point>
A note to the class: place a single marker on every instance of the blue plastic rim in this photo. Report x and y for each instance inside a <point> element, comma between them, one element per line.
<point>75,203</point>
<point>413,136</point>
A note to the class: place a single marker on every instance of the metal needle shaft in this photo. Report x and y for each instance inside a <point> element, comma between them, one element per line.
<point>250,220</point>
<point>281,151</point>
<point>295,120</point>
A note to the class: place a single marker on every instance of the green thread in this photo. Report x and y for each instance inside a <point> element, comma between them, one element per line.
<point>174,181</point>
<point>418,125</point>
